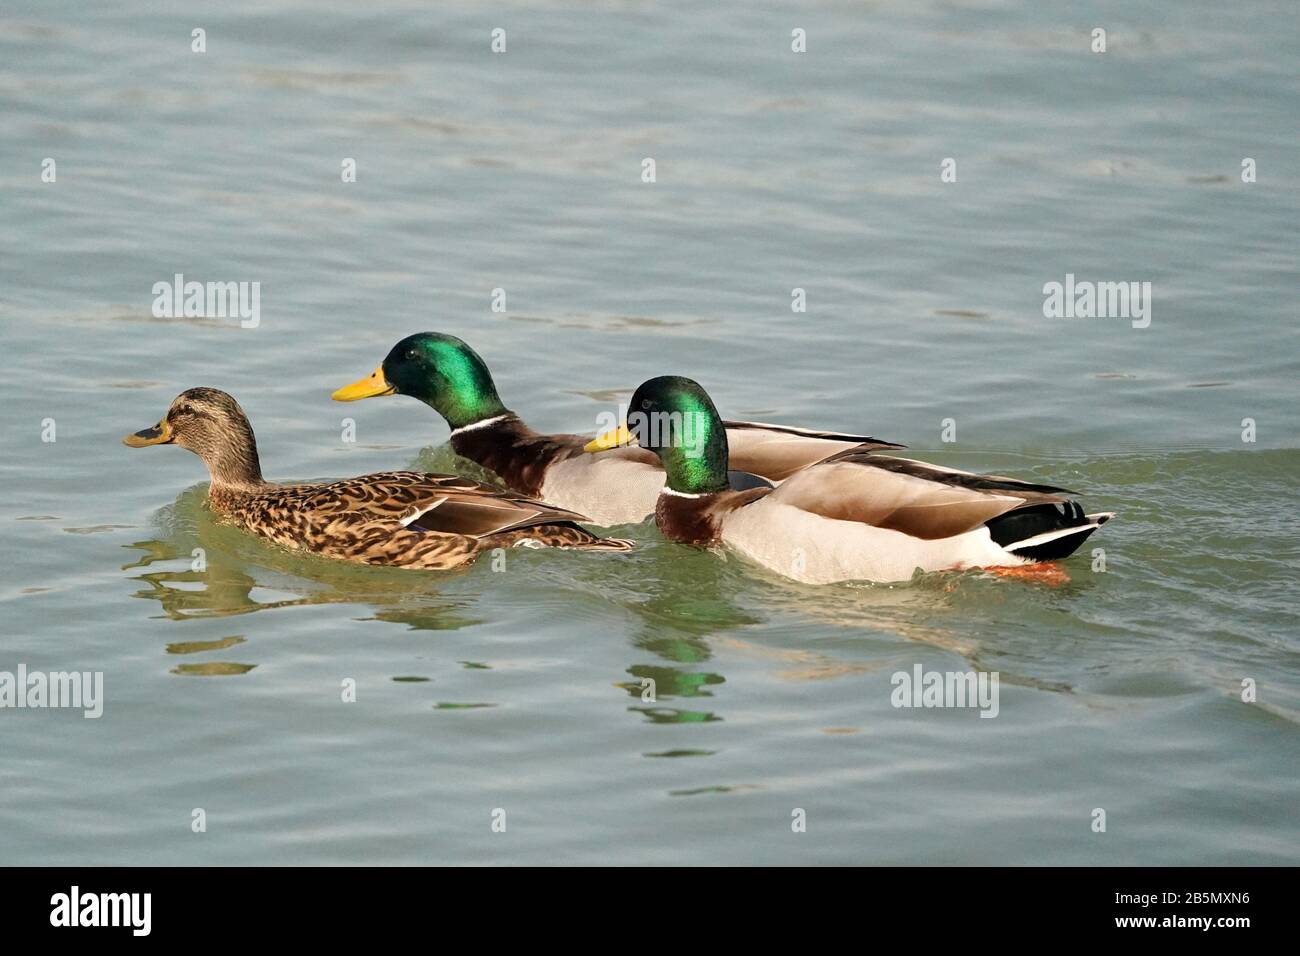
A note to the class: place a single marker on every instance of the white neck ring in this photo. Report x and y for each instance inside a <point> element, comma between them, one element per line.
<point>477,425</point>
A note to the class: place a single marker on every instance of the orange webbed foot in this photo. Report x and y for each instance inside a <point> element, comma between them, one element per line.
<point>1043,572</point>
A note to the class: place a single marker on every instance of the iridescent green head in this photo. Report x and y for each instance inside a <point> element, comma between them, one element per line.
<point>441,371</point>
<point>675,418</point>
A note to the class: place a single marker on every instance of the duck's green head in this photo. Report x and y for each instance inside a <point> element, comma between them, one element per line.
<point>675,418</point>
<point>441,371</point>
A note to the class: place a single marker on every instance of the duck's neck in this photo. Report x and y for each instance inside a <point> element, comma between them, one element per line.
<point>467,411</point>
<point>502,418</point>
<point>468,397</point>
<point>505,445</point>
<point>233,464</point>
<point>696,458</point>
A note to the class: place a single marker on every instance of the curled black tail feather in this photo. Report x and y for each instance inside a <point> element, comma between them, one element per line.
<point>1025,523</point>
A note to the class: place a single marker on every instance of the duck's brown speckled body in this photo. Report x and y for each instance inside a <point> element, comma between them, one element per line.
<point>396,518</point>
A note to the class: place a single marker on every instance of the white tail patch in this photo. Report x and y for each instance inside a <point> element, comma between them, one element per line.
<point>1060,533</point>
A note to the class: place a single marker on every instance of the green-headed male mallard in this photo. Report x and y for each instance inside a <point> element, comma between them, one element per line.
<point>617,488</point>
<point>401,518</point>
<point>854,516</point>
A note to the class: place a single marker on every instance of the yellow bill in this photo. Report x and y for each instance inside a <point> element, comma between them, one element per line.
<point>160,434</point>
<point>368,387</point>
<point>611,439</point>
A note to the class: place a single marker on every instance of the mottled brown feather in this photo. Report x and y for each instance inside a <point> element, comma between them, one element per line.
<point>402,518</point>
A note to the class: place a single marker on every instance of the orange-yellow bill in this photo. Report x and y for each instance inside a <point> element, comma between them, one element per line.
<point>611,439</point>
<point>368,387</point>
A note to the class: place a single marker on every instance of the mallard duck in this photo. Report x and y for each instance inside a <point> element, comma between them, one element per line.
<point>853,516</point>
<point>618,488</point>
<point>401,518</point>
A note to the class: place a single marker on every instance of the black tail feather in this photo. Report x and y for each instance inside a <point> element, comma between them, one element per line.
<point>1025,523</point>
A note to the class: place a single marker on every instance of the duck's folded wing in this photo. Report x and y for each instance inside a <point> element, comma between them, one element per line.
<point>442,503</point>
<point>384,495</point>
<point>924,501</point>
<point>778,451</point>
<point>480,514</point>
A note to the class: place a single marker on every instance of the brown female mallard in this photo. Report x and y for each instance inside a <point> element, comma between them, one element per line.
<point>401,518</point>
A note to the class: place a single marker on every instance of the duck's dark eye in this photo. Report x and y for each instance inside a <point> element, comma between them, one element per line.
<point>647,404</point>
<point>412,354</point>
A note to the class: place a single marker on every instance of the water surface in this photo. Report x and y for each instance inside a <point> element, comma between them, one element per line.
<point>521,690</point>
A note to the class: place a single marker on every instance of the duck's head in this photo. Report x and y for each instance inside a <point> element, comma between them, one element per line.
<point>210,423</point>
<point>675,418</point>
<point>441,371</point>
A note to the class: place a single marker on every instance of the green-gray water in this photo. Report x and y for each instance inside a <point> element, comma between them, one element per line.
<point>521,689</point>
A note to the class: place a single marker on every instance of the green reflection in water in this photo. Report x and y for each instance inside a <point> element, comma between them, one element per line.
<point>671,715</point>
<point>669,682</point>
<point>443,705</point>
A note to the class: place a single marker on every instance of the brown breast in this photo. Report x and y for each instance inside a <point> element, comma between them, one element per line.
<point>698,520</point>
<point>516,453</point>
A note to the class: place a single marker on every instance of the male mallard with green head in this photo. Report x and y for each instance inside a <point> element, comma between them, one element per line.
<point>401,518</point>
<point>853,516</point>
<point>616,488</point>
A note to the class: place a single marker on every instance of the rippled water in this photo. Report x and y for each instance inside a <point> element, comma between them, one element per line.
<point>522,690</point>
